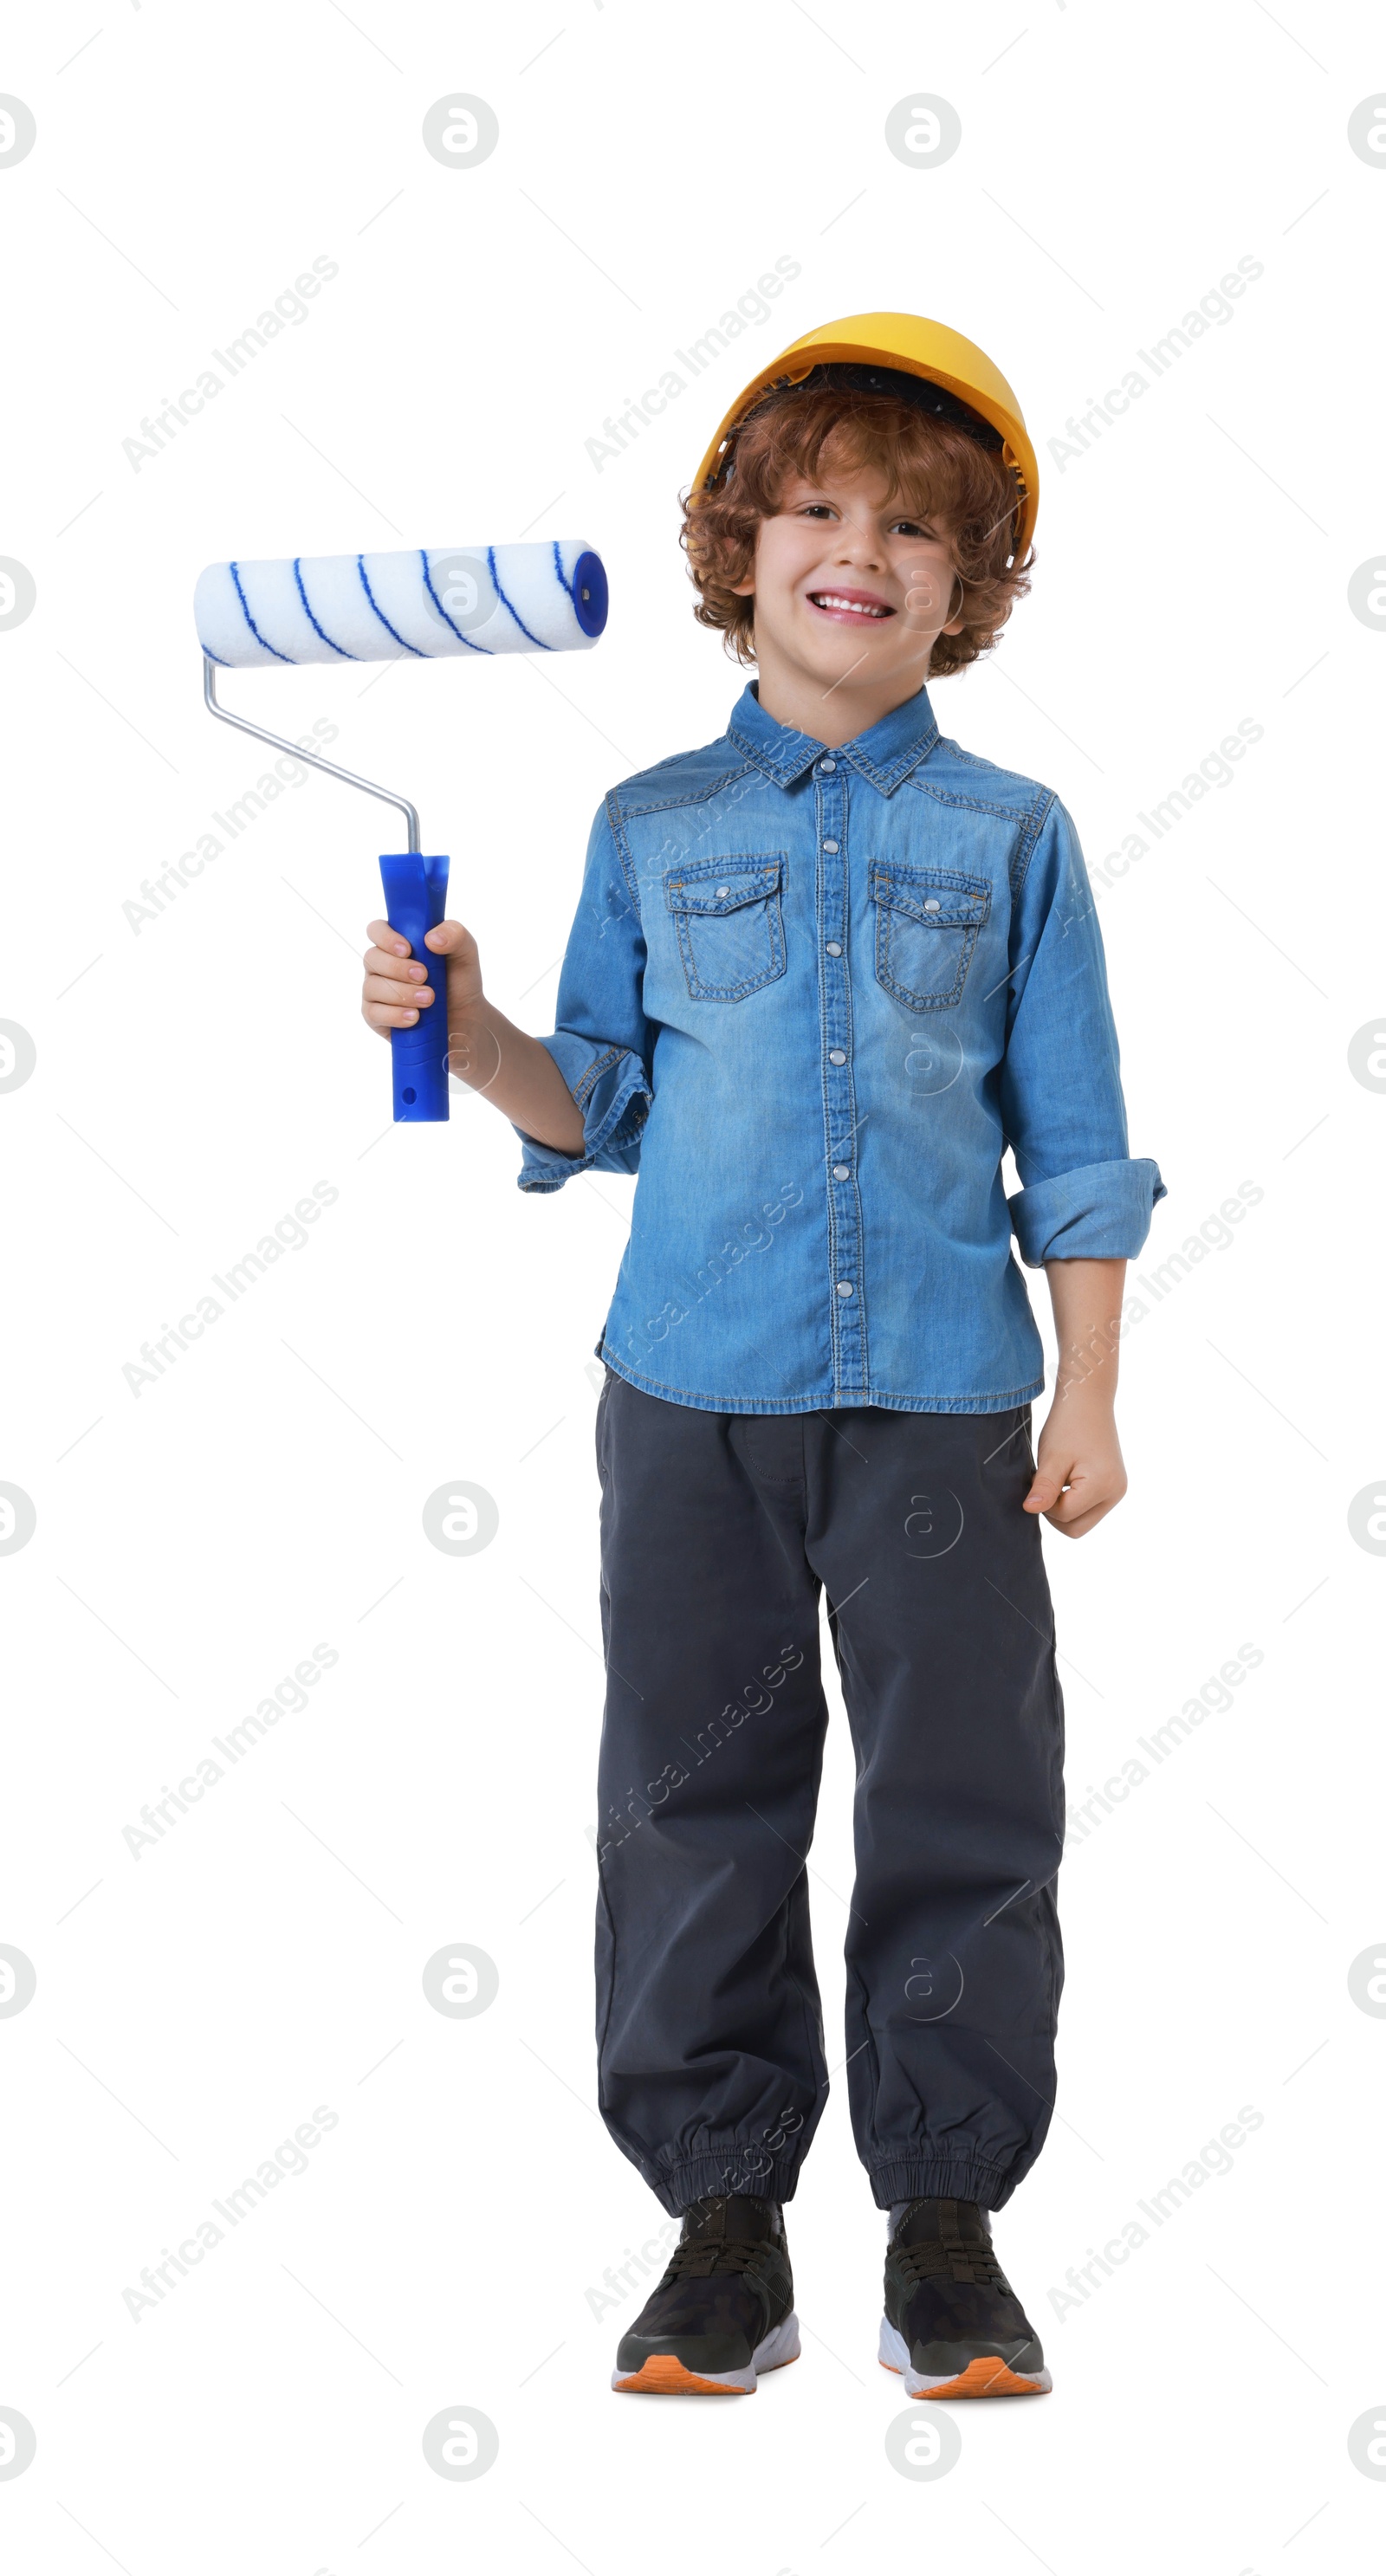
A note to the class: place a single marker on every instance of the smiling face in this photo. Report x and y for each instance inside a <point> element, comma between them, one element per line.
<point>850,593</point>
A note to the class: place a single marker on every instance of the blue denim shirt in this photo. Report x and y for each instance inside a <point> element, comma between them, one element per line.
<point>812,996</point>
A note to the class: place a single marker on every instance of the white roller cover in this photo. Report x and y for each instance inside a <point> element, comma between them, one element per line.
<point>428,604</point>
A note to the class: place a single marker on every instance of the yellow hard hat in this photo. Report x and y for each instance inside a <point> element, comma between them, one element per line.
<point>898,344</point>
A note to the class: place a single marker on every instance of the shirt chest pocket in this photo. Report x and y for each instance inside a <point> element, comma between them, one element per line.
<point>927,926</point>
<point>726,916</point>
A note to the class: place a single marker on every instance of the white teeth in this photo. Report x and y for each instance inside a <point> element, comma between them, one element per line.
<point>854,607</point>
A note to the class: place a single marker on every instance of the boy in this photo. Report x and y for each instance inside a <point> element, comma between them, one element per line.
<point>824,972</point>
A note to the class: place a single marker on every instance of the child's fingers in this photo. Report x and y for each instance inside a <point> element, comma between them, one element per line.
<point>388,941</point>
<point>1076,1505</point>
<point>390,953</point>
<point>450,939</point>
<point>396,991</point>
<point>405,972</point>
<point>383,1016</point>
<point>383,992</point>
<point>1086,1520</point>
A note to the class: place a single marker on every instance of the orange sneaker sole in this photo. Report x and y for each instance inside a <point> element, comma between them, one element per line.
<point>988,2376</point>
<point>662,2374</point>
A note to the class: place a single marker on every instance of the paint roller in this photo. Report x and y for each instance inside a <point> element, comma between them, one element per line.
<point>443,603</point>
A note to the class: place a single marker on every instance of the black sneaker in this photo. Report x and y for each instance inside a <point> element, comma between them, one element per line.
<point>953,2326</point>
<point>724,2310</point>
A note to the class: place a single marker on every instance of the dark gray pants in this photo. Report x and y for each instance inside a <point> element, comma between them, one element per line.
<point>718,1532</point>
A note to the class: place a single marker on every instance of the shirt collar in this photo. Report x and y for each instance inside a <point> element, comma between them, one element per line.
<point>884,754</point>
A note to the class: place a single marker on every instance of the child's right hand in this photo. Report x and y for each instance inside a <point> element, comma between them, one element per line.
<point>484,1049</point>
<point>396,987</point>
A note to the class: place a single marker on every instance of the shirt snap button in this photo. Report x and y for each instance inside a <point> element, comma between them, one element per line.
<point>830,845</point>
<point>932,904</point>
<point>836,1055</point>
<point>834,947</point>
<point>844,1287</point>
<point>842,1171</point>
<point>727,890</point>
<point>828,766</point>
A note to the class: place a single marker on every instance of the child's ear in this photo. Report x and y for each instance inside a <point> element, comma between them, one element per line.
<point>746,589</point>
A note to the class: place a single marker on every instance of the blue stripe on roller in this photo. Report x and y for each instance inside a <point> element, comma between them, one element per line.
<point>447,621</point>
<point>255,631</point>
<point>380,613</point>
<point>216,657</point>
<point>319,630</point>
<point>563,581</point>
<point>506,603</point>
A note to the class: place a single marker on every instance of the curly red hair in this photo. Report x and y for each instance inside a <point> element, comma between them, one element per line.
<point>931,466</point>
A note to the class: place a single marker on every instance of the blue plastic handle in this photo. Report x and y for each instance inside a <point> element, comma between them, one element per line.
<point>416,892</point>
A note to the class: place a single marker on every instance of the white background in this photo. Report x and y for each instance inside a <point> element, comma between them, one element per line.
<point>197,1073</point>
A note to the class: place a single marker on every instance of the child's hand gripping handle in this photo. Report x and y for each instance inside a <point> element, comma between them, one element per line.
<point>416,891</point>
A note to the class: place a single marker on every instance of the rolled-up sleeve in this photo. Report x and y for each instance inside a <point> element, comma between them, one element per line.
<point>1083,1197</point>
<point>603,1044</point>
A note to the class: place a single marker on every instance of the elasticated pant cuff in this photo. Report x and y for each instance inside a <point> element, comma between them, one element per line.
<point>941,2178</point>
<point>728,2168</point>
